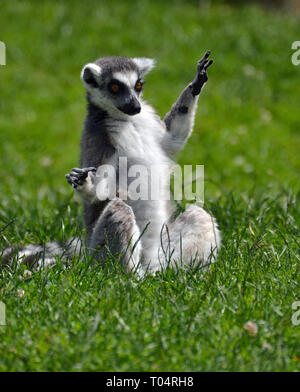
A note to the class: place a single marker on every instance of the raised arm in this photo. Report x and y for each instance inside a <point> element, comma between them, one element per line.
<point>180,119</point>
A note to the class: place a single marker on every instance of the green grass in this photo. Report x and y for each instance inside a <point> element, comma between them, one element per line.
<point>246,134</point>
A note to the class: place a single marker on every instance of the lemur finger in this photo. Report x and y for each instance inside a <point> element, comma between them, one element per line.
<point>68,177</point>
<point>69,180</point>
<point>206,65</point>
<point>73,178</point>
<point>80,176</point>
<point>202,61</point>
<point>92,169</point>
<point>206,55</point>
<point>84,170</point>
<point>77,180</point>
<point>80,172</point>
<point>74,175</point>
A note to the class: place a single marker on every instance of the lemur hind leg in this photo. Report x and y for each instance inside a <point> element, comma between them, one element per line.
<point>116,233</point>
<point>193,238</point>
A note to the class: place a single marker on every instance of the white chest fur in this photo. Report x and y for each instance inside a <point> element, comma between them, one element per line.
<point>139,137</point>
<point>139,140</point>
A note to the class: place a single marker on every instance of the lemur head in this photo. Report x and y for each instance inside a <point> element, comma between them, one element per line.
<point>115,83</point>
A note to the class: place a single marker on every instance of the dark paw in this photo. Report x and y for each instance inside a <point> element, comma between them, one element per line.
<point>78,176</point>
<point>201,76</point>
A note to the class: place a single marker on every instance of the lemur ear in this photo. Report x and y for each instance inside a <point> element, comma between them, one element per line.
<point>144,64</point>
<point>90,75</point>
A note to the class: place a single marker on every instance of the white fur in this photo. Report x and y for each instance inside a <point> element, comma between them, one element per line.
<point>128,78</point>
<point>144,64</point>
<point>186,246</point>
<point>182,128</point>
<point>139,139</point>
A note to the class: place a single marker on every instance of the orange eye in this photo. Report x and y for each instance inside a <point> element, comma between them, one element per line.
<point>115,88</point>
<point>138,86</point>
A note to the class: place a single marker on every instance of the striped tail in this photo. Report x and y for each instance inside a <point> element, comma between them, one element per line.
<point>38,256</point>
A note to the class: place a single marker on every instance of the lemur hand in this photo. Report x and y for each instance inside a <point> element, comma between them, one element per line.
<point>201,76</point>
<point>78,176</point>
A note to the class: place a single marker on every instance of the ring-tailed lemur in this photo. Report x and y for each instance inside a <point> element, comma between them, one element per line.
<point>119,124</point>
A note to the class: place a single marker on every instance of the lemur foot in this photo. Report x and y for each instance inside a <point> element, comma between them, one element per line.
<point>201,76</point>
<point>77,177</point>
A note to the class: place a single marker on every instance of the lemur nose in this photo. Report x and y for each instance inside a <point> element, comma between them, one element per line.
<point>132,107</point>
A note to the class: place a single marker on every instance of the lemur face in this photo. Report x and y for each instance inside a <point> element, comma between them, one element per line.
<point>115,83</point>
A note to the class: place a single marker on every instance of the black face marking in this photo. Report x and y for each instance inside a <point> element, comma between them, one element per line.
<point>183,109</point>
<point>131,107</point>
<point>122,88</point>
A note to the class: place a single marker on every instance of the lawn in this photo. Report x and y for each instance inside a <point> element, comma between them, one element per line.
<point>82,317</point>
